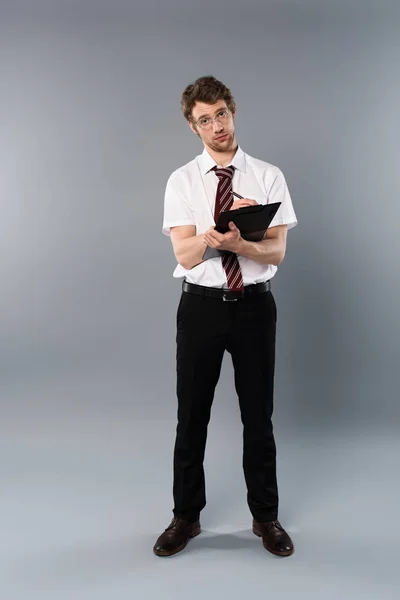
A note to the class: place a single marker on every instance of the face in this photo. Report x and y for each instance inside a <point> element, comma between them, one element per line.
<point>221,136</point>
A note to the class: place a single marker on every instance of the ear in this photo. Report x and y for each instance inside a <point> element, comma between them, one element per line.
<point>192,127</point>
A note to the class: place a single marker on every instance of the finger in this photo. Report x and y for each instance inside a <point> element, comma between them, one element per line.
<point>212,238</point>
<point>209,239</point>
<point>216,236</point>
<point>240,204</point>
<point>233,228</point>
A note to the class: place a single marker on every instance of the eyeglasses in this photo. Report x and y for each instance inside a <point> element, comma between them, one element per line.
<point>207,122</point>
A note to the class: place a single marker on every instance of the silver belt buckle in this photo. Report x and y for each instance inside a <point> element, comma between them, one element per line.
<point>226,298</point>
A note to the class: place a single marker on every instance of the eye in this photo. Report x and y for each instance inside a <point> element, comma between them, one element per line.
<point>204,121</point>
<point>223,113</point>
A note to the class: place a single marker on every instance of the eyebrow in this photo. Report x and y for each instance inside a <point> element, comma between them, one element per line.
<point>215,112</point>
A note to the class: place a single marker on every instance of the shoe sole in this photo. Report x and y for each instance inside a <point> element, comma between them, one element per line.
<point>194,533</point>
<point>285,553</point>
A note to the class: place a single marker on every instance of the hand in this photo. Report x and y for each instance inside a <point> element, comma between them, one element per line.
<point>241,203</point>
<point>224,241</point>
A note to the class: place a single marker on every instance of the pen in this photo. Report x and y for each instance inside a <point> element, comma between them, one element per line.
<point>237,195</point>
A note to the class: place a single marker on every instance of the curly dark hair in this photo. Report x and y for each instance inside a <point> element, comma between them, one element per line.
<point>205,89</point>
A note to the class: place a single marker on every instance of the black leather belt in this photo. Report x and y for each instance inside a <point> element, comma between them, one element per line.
<point>227,295</point>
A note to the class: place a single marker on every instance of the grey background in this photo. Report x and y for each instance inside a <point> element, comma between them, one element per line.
<point>90,131</point>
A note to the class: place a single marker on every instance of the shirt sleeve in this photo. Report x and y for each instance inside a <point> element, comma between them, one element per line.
<point>279,192</point>
<point>176,208</point>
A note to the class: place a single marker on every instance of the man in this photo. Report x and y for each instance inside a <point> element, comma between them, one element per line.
<point>226,304</point>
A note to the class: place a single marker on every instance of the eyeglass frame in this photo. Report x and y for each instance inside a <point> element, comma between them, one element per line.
<point>212,119</point>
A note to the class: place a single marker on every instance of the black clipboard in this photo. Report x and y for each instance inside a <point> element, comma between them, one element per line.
<point>252,221</point>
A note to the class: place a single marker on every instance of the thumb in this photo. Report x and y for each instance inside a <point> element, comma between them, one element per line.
<point>232,225</point>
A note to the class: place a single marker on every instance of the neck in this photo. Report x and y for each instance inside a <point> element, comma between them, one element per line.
<point>224,159</point>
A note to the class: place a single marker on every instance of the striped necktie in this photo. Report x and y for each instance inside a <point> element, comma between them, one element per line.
<point>223,201</point>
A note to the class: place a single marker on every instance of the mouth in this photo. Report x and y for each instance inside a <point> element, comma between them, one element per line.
<point>221,137</point>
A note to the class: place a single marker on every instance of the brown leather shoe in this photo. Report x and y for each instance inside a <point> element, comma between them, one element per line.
<point>176,536</point>
<point>274,537</point>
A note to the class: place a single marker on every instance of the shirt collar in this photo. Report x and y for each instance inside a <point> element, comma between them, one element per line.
<point>207,162</point>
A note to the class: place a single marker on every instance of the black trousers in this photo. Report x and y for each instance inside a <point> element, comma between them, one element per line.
<point>246,328</point>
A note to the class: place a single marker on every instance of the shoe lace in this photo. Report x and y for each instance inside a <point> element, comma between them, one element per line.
<point>270,524</point>
<point>174,522</point>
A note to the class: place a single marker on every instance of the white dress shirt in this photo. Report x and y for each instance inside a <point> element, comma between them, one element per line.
<point>190,200</point>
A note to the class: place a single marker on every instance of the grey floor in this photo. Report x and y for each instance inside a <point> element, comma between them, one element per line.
<point>86,489</point>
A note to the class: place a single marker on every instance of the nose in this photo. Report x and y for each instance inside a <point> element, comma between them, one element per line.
<point>217,127</point>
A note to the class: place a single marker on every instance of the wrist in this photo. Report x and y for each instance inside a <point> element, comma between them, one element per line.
<point>240,246</point>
